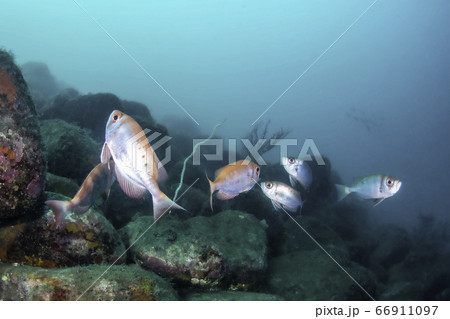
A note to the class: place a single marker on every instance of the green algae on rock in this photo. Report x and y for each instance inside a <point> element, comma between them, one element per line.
<point>116,283</point>
<point>227,249</point>
<point>22,165</point>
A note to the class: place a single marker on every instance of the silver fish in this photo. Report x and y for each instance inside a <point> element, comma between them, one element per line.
<point>376,187</point>
<point>298,170</point>
<point>136,162</point>
<point>96,183</point>
<point>233,179</point>
<point>282,196</point>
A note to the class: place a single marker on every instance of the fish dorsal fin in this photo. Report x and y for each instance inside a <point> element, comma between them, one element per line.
<point>377,201</point>
<point>224,196</point>
<point>128,187</point>
<point>106,154</point>
<point>218,171</point>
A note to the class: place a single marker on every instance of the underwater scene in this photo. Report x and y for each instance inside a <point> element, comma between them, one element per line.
<point>225,150</point>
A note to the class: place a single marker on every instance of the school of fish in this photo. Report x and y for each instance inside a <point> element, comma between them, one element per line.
<point>128,157</point>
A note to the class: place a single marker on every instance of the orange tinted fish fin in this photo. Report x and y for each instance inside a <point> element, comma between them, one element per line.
<point>224,196</point>
<point>212,188</point>
<point>128,187</point>
<point>60,209</point>
<point>162,205</point>
<point>106,154</point>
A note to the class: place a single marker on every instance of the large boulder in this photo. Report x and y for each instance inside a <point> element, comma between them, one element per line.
<point>22,164</point>
<point>81,240</point>
<point>312,275</point>
<point>114,283</point>
<point>72,152</point>
<point>91,111</point>
<point>227,249</point>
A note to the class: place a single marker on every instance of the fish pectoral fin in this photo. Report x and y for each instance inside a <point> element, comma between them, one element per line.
<point>290,209</point>
<point>224,196</point>
<point>106,154</point>
<point>276,205</point>
<point>377,201</point>
<point>128,187</point>
<point>293,181</point>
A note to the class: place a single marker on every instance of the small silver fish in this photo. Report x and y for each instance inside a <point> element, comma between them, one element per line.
<point>96,183</point>
<point>137,166</point>
<point>233,179</point>
<point>282,196</point>
<point>376,187</point>
<point>298,170</point>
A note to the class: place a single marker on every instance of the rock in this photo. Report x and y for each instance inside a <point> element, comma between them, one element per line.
<point>22,164</point>
<point>403,290</point>
<point>71,150</point>
<point>116,283</point>
<point>232,296</point>
<point>83,239</point>
<point>61,185</point>
<point>393,246</point>
<point>91,112</point>
<point>226,249</point>
<point>41,82</point>
<point>312,275</point>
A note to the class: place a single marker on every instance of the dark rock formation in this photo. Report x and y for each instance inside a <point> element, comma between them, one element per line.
<point>71,151</point>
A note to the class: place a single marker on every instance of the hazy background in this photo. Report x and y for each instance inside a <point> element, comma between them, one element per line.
<point>377,102</point>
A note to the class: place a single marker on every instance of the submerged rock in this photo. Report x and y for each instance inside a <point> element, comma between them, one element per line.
<point>83,239</point>
<point>22,165</point>
<point>232,296</point>
<point>71,150</point>
<point>116,283</point>
<point>312,275</point>
<point>60,185</point>
<point>226,249</point>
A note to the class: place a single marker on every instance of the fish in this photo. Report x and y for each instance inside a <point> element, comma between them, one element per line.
<point>375,187</point>
<point>282,196</point>
<point>137,167</point>
<point>98,181</point>
<point>298,170</point>
<point>233,179</point>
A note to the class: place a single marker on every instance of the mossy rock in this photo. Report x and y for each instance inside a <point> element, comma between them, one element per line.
<point>233,296</point>
<point>227,249</point>
<point>81,240</point>
<point>114,283</point>
<point>72,152</point>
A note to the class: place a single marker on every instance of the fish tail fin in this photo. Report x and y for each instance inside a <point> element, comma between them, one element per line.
<point>342,191</point>
<point>163,204</point>
<point>212,188</point>
<point>60,209</point>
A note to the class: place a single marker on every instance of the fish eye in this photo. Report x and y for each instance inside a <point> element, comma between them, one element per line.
<point>269,185</point>
<point>291,161</point>
<point>257,170</point>
<point>389,182</point>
